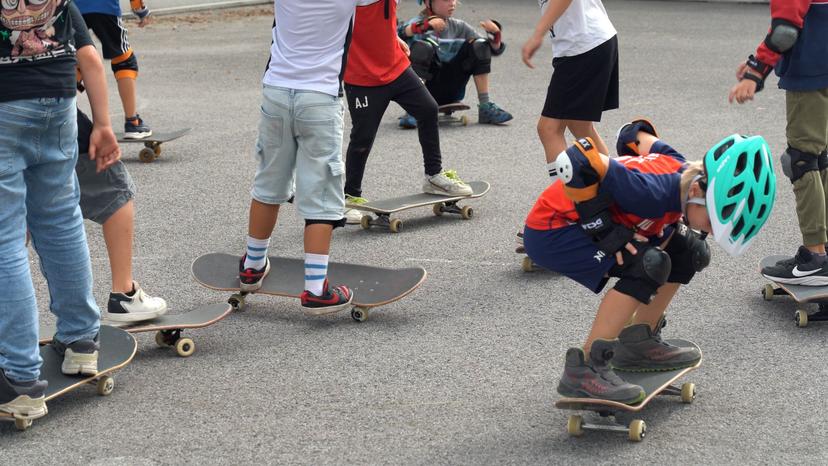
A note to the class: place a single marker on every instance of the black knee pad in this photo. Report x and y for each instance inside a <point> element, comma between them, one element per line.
<point>127,68</point>
<point>423,56</point>
<point>643,273</point>
<point>796,163</point>
<point>480,58</point>
<point>822,161</point>
<point>334,223</point>
<point>689,253</point>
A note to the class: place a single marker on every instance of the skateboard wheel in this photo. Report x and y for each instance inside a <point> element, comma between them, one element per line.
<point>395,225</point>
<point>801,318</point>
<point>466,212</point>
<point>22,424</point>
<point>527,265</point>
<point>365,222</point>
<point>161,339</point>
<point>185,347</point>
<point>156,148</point>
<point>767,292</point>
<point>105,385</point>
<point>464,120</point>
<point>438,209</point>
<point>237,301</point>
<point>359,314</point>
<point>146,155</point>
<point>575,425</point>
<point>637,430</point>
<point>688,392</point>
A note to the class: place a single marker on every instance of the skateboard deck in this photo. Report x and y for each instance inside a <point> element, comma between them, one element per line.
<point>383,209</point>
<point>168,327</point>
<point>152,143</point>
<point>117,350</point>
<point>372,286</point>
<point>447,110</point>
<point>801,294</point>
<point>653,383</point>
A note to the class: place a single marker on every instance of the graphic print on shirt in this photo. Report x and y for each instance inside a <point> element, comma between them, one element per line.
<point>27,28</point>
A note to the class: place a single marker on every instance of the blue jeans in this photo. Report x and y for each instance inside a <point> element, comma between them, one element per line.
<point>38,188</point>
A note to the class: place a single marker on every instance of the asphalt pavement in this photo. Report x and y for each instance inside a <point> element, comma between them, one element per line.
<point>463,370</point>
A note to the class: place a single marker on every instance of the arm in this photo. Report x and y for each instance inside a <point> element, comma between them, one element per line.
<point>421,25</point>
<point>103,146</point>
<point>554,10</point>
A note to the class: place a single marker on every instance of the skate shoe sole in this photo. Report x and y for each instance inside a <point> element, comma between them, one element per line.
<point>569,392</point>
<point>142,135</point>
<point>432,189</point>
<point>321,311</point>
<point>25,407</point>
<point>79,363</point>
<point>656,368</point>
<point>802,281</point>
<point>129,317</point>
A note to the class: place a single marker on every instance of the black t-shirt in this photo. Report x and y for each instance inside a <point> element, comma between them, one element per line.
<point>37,50</point>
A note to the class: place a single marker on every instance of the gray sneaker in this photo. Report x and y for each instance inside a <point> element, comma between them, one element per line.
<point>595,378</point>
<point>23,400</point>
<point>79,357</point>
<point>640,349</point>
<point>353,216</point>
<point>446,183</point>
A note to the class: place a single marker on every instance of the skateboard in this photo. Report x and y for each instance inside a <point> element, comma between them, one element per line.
<point>152,143</point>
<point>168,327</point>
<point>442,204</point>
<point>446,114</point>
<point>801,294</point>
<point>653,383</point>
<point>372,286</point>
<point>117,350</point>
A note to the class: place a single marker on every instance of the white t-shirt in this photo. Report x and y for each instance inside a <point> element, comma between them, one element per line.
<point>308,44</point>
<point>582,27</point>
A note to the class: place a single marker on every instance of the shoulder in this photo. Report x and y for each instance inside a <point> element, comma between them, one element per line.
<point>652,163</point>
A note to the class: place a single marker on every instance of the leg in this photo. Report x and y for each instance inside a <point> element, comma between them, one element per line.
<point>118,232</point>
<point>262,219</point>
<point>582,129</point>
<point>613,314</point>
<point>551,132</point>
<point>366,105</point>
<point>410,93</point>
<point>127,89</point>
<point>481,82</point>
<point>651,314</point>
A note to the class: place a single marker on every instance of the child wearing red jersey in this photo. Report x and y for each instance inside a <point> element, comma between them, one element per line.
<point>378,72</point>
<point>634,218</point>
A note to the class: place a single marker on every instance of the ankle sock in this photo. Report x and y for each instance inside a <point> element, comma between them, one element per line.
<point>256,253</point>
<point>316,270</point>
<point>483,98</point>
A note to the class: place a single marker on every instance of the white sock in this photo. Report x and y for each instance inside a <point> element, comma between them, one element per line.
<point>256,253</point>
<point>316,270</point>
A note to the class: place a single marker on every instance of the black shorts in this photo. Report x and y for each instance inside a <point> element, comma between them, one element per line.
<point>585,85</point>
<point>111,32</point>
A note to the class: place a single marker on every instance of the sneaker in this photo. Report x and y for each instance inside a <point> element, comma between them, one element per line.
<point>135,128</point>
<point>490,113</point>
<point>626,139</point>
<point>332,300</point>
<point>139,306</point>
<point>805,268</point>
<point>641,349</point>
<point>79,357</point>
<point>407,122</point>
<point>595,378</point>
<point>519,248</point>
<point>251,279</point>
<point>23,400</point>
<point>446,183</point>
<point>354,216</point>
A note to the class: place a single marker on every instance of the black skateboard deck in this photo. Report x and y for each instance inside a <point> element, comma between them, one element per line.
<point>446,114</point>
<point>168,327</point>
<point>800,293</point>
<point>383,209</point>
<point>372,286</point>
<point>117,350</point>
<point>653,383</point>
<point>152,143</point>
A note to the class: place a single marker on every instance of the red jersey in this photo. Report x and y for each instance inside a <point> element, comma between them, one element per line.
<point>375,57</point>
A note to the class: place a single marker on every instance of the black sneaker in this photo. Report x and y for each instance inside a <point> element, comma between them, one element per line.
<point>136,128</point>
<point>332,300</point>
<point>23,400</point>
<point>642,350</point>
<point>595,378</point>
<point>805,268</point>
<point>251,279</point>
<point>79,357</point>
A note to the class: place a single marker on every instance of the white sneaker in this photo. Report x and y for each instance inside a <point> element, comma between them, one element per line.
<point>354,216</point>
<point>446,183</point>
<point>140,306</point>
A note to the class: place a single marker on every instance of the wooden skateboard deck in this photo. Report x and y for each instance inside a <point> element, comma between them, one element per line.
<point>372,286</point>
<point>117,350</point>
<point>800,293</point>
<point>168,327</point>
<point>653,383</point>
<point>152,143</point>
<point>447,110</point>
<point>442,204</point>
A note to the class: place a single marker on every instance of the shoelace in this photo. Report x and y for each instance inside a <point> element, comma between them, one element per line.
<point>357,200</point>
<point>452,175</point>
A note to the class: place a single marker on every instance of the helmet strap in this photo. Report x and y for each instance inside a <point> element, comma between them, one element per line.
<point>695,200</point>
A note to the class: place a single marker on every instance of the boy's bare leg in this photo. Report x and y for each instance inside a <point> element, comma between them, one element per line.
<point>318,238</point>
<point>551,132</point>
<point>583,129</point>
<point>651,313</point>
<point>262,219</point>
<point>128,91</point>
<point>481,82</point>
<point>613,314</point>
<point>118,232</point>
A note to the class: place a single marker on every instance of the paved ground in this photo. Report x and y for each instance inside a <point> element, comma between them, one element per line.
<point>463,370</point>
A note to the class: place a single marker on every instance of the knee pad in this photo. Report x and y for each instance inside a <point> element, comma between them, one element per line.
<point>334,223</point>
<point>423,57</point>
<point>481,50</point>
<point>795,163</point>
<point>125,66</point>
<point>822,162</point>
<point>479,60</point>
<point>689,253</point>
<point>642,274</point>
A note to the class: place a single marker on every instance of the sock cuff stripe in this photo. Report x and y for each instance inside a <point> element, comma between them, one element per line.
<point>314,277</point>
<point>256,248</point>
<point>315,266</point>
<point>254,258</point>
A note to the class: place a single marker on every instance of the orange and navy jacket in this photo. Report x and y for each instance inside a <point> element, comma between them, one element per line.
<point>805,66</point>
<point>645,190</point>
<point>375,57</point>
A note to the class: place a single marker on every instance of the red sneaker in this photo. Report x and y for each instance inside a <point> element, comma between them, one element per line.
<point>332,300</point>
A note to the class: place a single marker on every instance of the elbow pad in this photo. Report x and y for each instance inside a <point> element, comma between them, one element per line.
<point>782,36</point>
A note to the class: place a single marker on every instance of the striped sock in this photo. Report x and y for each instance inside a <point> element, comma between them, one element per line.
<point>316,269</point>
<point>256,253</point>
<point>483,98</point>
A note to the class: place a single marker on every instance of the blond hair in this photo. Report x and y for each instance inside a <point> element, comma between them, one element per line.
<point>691,171</point>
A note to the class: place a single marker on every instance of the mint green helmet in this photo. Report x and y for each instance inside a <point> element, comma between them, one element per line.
<point>740,190</point>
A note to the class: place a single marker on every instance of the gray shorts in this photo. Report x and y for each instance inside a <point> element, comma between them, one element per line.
<point>102,194</point>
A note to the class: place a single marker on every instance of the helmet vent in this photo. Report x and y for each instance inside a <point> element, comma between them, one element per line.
<point>734,191</point>
<point>750,231</point>
<point>741,163</point>
<point>762,209</point>
<point>727,211</point>
<point>767,187</point>
<point>722,149</point>
<point>738,227</point>
<point>750,201</point>
<point>757,165</point>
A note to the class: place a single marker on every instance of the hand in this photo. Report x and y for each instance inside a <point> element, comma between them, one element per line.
<point>489,26</point>
<point>403,46</point>
<point>743,91</point>
<point>438,24</point>
<point>619,256</point>
<point>145,21</point>
<point>740,71</point>
<point>529,48</point>
<point>103,147</point>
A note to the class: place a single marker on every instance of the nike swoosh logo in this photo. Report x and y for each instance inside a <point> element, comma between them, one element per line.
<point>797,273</point>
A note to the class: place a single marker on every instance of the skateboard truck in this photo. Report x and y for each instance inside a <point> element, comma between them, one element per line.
<point>183,346</point>
<point>237,300</point>
<point>801,316</point>
<point>395,225</point>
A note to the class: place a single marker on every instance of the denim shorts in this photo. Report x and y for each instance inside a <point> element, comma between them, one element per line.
<point>299,150</point>
<point>103,194</point>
